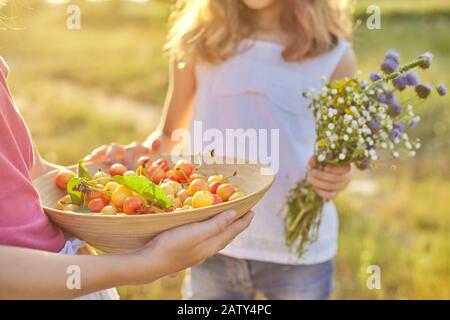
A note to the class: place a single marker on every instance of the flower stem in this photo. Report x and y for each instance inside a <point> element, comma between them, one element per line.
<point>403,69</point>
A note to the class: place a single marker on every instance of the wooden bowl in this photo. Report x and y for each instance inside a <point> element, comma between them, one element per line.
<point>111,233</point>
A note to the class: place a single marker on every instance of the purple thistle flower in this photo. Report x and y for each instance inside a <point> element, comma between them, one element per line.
<point>400,82</point>
<point>387,98</point>
<point>389,66</point>
<point>394,109</point>
<point>428,57</point>
<point>374,76</point>
<point>423,90</point>
<point>391,98</point>
<point>412,78</point>
<point>414,122</point>
<point>441,90</point>
<point>394,55</point>
<point>374,125</point>
<point>383,98</point>
<point>400,126</point>
<point>395,134</point>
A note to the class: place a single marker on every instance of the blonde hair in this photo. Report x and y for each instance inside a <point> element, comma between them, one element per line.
<point>211,30</point>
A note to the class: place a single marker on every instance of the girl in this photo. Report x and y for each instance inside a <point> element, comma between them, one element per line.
<point>30,266</point>
<point>243,64</point>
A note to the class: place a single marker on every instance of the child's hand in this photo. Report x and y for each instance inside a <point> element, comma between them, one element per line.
<point>126,154</point>
<point>188,245</point>
<point>115,152</point>
<point>156,143</point>
<point>329,181</point>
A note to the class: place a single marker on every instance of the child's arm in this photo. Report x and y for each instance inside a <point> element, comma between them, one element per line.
<point>176,114</point>
<point>34,274</point>
<point>178,106</point>
<point>333,179</point>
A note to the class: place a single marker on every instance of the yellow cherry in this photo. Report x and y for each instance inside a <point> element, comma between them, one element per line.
<point>202,199</point>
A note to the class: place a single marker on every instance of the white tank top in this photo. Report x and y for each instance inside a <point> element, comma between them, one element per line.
<point>257,89</point>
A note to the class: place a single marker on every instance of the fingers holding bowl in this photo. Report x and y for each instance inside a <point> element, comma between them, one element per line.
<point>98,154</point>
<point>224,229</point>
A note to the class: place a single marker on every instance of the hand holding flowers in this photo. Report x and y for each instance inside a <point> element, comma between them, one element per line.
<point>355,120</point>
<point>328,181</point>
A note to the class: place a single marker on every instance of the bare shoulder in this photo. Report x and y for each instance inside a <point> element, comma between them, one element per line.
<point>346,66</point>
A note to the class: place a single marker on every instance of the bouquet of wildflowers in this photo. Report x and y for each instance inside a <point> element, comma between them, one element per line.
<point>355,119</point>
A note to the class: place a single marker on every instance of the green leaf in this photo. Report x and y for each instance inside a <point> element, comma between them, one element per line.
<point>145,188</point>
<point>76,196</point>
<point>83,171</point>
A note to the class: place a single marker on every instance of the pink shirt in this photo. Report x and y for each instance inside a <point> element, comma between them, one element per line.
<point>23,223</point>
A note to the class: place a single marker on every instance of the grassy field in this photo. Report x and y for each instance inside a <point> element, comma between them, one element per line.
<point>105,82</point>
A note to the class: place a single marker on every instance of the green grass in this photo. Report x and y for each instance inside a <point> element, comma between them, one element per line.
<point>399,230</point>
<point>121,53</point>
<point>66,82</point>
<point>405,7</point>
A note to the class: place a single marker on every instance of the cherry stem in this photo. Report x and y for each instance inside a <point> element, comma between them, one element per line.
<point>228,177</point>
<point>85,188</point>
<point>401,70</point>
<point>98,180</point>
<point>101,191</point>
<point>213,156</point>
<point>139,170</point>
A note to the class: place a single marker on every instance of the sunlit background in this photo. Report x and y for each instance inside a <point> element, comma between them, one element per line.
<point>78,89</point>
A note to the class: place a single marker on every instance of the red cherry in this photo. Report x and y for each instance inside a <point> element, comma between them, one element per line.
<point>213,186</point>
<point>164,164</point>
<point>155,173</point>
<point>117,169</point>
<point>97,204</point>
<point>133,205</point>
<point>148,211</point>
<point>217,199</point>
<point>144,161</point>
<point>63,177</point>
<point>183,170</point>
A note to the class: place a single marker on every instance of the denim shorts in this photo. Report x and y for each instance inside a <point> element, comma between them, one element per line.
<point>225,278</point>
